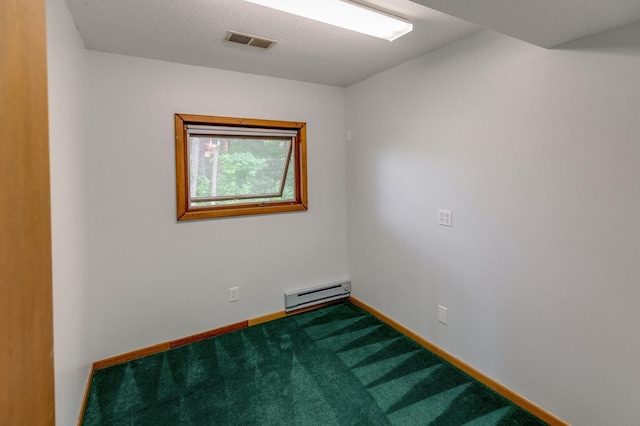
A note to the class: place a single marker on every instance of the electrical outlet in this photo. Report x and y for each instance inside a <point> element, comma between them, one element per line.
<point>444,218</point>
<point>442,314</point>
<point>234,294</point>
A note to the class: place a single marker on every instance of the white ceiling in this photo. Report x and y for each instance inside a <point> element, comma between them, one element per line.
<point>192,32</point>
<point>545,23</point>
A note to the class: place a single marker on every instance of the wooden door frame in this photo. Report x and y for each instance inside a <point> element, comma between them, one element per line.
<point>26,311</point>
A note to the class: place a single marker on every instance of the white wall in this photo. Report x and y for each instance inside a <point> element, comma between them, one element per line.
<point>154,279</point>
<point>537,152</point>
<point>68,137</point>
<point>532,149</point>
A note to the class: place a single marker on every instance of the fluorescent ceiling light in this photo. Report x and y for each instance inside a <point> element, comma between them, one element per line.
<point>344,14</point>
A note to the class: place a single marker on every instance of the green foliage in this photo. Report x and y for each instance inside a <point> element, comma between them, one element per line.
<point>237,173</point>
<point>244,167</point>
<point>204,187</point>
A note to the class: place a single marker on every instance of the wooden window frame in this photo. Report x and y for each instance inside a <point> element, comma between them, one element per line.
<point>187,212</point>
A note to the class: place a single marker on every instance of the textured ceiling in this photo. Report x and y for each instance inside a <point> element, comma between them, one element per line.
<point>192,32</point>
<point>546,23</point>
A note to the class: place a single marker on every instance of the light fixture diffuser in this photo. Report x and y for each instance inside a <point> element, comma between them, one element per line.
<point>344,14</point>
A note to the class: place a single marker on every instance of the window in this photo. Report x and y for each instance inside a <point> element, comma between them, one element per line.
<point>238,166</point>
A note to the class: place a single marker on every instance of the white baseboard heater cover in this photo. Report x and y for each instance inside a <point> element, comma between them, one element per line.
<point>315,295</point>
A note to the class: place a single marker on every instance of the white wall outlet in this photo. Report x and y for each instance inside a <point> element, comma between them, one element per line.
<point>442,314</point>
<point>444,218</point>
<point>234,294</point>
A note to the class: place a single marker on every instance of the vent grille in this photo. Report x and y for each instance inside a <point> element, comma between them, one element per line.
<point>249,40</point>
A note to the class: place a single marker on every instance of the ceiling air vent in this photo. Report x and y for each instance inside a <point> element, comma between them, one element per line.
<point>249,40</point>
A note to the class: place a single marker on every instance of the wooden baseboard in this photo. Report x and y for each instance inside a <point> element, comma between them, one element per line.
<point>517,399</point>
<point>479,376</point>
<point>161,347</point>
<point>130,356</point>
<point>282,314</point>
<point>83,408</point>
<point>208,334</point>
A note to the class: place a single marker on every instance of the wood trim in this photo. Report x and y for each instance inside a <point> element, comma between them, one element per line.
<point>208,334</point>
<point>186,212</point>
<point>182,157</point>
<point>282,314</point>
<point>130,356</point>
<point>304,197</point>
<point>161,347</point>
<point>234,121</point>
<point>476,374</point>
<point>240,211</point>
<point>267,318</point>
<point>26,307</point>
<point>83,408</point>
<point>517,399</point>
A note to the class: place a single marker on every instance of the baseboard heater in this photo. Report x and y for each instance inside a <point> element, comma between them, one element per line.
<point>315,295</point>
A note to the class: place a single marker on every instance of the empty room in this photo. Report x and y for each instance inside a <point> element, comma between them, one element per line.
<point>470,182</point>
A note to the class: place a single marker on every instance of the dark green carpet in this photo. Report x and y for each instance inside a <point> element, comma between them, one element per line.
<point>333,366</point>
